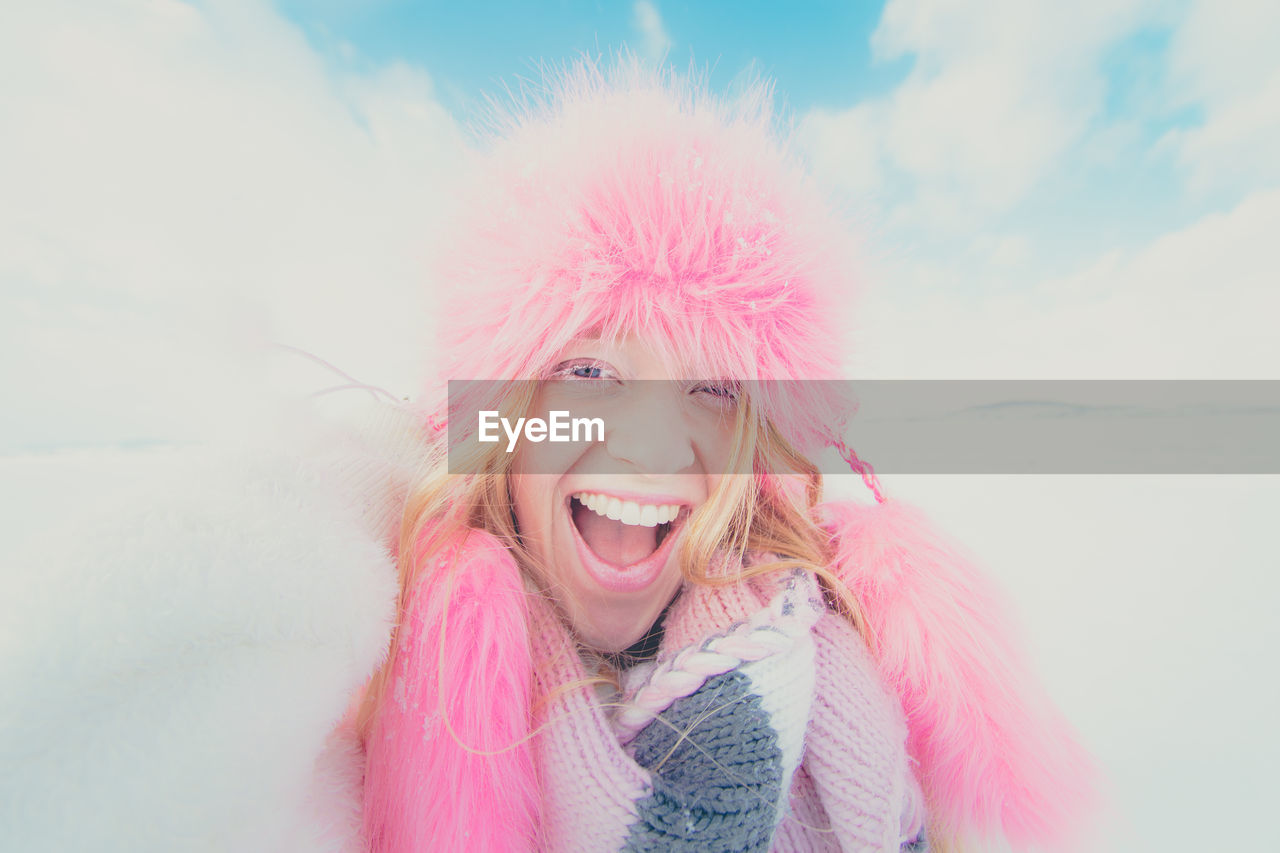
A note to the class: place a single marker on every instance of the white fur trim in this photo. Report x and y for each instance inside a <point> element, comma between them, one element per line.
<point>173,671</point>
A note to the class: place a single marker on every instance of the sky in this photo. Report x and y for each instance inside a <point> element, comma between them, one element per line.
<point>1043,190</point>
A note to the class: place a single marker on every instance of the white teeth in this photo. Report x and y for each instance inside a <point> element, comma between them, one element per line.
<point>629,512</point>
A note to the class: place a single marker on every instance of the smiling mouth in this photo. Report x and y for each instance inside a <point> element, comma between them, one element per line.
<point>624,545</point>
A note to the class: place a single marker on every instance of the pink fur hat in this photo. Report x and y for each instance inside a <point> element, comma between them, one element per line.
<point>631,201</point>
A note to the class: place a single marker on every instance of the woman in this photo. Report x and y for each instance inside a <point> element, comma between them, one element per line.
<point>658,637</point>
<point>655,637</point>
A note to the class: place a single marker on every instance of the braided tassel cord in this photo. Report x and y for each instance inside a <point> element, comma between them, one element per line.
<point>771,631</point>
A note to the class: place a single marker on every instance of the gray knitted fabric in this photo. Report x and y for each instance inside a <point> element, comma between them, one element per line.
<point>720,781</point>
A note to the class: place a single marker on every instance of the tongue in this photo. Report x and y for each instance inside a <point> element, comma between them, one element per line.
<point>613,541</point>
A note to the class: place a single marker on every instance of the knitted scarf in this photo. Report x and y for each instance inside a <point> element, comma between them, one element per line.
<point>760,721</point>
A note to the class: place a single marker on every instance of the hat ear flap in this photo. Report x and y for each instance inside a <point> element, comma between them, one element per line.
<point>450,766</point>
<point>995,756</point>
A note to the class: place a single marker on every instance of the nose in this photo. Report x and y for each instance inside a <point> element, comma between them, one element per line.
<point>650,432</point>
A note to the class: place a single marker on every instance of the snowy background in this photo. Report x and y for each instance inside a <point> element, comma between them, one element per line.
<point>1048,190</point>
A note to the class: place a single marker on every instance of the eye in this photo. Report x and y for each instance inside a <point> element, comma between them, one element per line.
<point>583,368</point>
<point>717,393</point>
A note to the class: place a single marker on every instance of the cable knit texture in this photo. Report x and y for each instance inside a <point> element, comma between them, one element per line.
<point>709,773</point>
<point>856,758</point>
<point>855,789</point>
<point>592,787</point>
<point>723,755</point>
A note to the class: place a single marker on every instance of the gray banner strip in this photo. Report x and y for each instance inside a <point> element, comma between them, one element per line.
<point>972,427</point>
<point>1069,427</point>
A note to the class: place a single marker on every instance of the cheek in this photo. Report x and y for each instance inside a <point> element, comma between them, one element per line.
<point>714,439</point>
<point>546,457</point>
<point>533,497</point>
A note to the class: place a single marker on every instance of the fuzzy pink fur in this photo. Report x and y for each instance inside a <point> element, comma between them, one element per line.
<point>633,202</point>
<point>427,788</point>
<point>995,756</point>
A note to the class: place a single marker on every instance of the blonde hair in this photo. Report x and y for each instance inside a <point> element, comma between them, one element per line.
<point>765,505</point>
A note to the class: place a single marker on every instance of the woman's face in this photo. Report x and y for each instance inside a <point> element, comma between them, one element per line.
<point>605,518</point>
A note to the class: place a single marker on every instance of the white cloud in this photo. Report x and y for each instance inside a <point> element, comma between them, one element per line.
<point>648,22</point>
<point>1223,59</point>
<point>1006,95</point>
<point>998,92</point>
<point>845,147</point>
<point>183,183</point>
<point>1220,49</point>
<point>1196,303</point>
